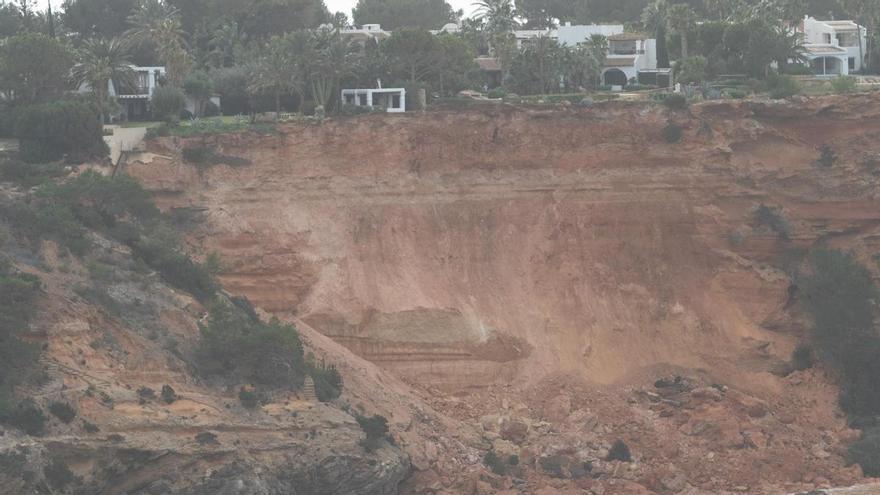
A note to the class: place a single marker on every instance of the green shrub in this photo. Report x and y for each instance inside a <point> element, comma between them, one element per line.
<point>494,463</point>
<point>802,357</point>
<point>58,474</point>
<point>843,84</point>
<point>827,156</point>
<point>197,154</point>
<point>29,174</point>
<point>772,218</point>
<point>175,267</point>
<point>328,382</point>
<point>168,394</point>
<point>26,416</point>
<point>866,452</point>
<point>236,346</point>
<point>675,101</point>
<point>619,452</point>
<point>552,464</point>
<point>161,130</point>
<point>736,94</point>
<point>798,70</point>
<point>691,70</point>
<point>206,438</point>
<point>376,429</point>
<point>248,398</point>
<point>783,86</point>
<point>18,298</point>
<point>63,411</point>
<point>167,103</point>
<point>672,133</point>
<point>61,129</point>
<point>838,294</point>
<point>496,93</point>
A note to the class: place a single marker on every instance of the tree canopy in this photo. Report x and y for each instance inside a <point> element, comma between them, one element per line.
<point>395,14</point>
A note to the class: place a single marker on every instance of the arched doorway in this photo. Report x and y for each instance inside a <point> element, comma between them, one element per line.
<point>615,77</point>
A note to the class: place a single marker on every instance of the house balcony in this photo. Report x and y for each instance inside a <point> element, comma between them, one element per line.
<point>137,91</point>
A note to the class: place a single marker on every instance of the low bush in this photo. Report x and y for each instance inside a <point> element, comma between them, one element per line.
<point>838,293</point>
<point>496,93</point>
<point>672,133</point>
<point>827,156</point>
<point>802,357</point>
<point>235,346</point>
<point>61,129</point>
<point>328,382</point>
<point>494,463</point>
<point>798,70</point>
<point>248,398</point>
<point>866,452</point>
<point>146,393</point>
<point>198,154</point>
<point>376,429</point>
<point>783,86</point>
<point>161,130</point>
<point>619,452</point>
<point>843,84</point>
<point>206,438</point>
<point>736,94</point>
<point>167,103</point>
<point>175,267</point>
<point>552,464</point>
<point>26,416</point>
<point>58,475</point>
<point>18,304</point>
<point>63,411</point>
<point>168,394</point>
<point>675,101</point>
<point>773,219</point>
<point>29,174</point>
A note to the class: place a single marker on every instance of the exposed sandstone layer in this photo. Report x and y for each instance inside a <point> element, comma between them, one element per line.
<point>533,272</point>
<point>471,248</point>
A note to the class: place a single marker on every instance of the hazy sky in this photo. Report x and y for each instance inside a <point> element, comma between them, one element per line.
<point>333,5</point>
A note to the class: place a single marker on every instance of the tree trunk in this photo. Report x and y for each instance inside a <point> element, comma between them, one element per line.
<point>684,45</point>
<point>662,53</point>
<point>861,50</point>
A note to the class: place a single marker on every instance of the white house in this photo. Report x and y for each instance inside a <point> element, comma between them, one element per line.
<point>365,33</point>
<point>393,100</point>
<point>629,54</point>
<point>832,47</point>
<point>135,100</point>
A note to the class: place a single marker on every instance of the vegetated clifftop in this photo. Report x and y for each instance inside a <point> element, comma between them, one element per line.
<point>520,258</point>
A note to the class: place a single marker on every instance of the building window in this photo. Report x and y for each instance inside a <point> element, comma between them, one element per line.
<point>362,100</point>
<point>852,63</point>
<point>395,101</point>
<point>826,38</point>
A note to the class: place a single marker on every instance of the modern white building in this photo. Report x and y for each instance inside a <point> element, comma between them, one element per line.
<point>365,33</point>
<point>134,100</point>
<point>629,54</point>
<point>393,100</point>
<point>832,47</point>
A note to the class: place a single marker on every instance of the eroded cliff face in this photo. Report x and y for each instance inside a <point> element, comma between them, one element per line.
<point>533,272</point>
<point>471,248</point>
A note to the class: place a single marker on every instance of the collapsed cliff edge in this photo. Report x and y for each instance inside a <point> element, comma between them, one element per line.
<point>539,284</point>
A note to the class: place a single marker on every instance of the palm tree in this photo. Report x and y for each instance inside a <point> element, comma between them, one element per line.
<point>275,70</point>
<point>99,62</point>
<point>333,60</point>
<point>682,20</point>
<point>157,23</point>
<point>499,18</point>
<point>655,18</point>
<point>500,15</point>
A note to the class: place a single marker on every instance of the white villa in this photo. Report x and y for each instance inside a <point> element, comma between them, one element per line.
<point>365,33</point>
<point>832,47</point>
<point>630,55</point>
